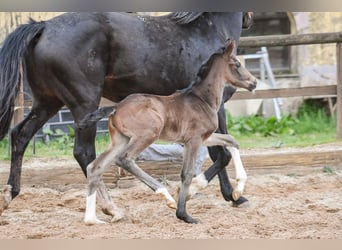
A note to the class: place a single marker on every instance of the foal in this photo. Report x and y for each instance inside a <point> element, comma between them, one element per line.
<point>188,116</point>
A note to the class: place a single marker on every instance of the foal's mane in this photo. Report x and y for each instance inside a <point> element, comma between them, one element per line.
<point>184,17</point>
<point>204,70</point>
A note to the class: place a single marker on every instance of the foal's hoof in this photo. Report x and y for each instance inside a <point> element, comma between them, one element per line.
<point>117,216</point>
<point>187,218</point>
<point>93,221</point>
<point>5,198</point>
<point>172,205</point>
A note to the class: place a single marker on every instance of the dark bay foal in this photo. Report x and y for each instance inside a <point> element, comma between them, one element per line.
<point>188,116</point>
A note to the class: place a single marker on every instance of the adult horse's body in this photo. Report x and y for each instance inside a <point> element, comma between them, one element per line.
<point>76,58</point>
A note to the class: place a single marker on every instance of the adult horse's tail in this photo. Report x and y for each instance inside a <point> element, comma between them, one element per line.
<point>11,59</point>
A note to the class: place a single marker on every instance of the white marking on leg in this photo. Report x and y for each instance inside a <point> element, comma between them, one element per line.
<point>240,173</point>
<point>170,201</point>
<point>199,182</point>
<point>90,213</point>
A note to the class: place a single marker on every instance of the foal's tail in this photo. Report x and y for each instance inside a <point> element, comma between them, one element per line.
<point>12,54</point>
<point>92,118</point>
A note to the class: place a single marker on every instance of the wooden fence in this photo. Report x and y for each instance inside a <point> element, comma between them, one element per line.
<point>302,39</point>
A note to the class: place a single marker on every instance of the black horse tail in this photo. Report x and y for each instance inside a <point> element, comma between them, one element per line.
<point>92,118</point>
<point>12,53</point>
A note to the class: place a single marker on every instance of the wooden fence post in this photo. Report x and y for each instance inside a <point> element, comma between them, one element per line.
<point>18,115</point>
<point>339,90</point>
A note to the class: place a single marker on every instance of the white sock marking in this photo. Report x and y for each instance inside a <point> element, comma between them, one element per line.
<point>240,172</point>
<point>90,213</point>
<point>166,193</point>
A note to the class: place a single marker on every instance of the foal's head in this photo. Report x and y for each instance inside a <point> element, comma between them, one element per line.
<point>234,72</point>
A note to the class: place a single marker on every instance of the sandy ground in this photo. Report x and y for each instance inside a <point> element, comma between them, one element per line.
<point>281,206</point>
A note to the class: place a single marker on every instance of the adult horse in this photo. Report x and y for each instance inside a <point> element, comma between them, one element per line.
<point>76,58</point>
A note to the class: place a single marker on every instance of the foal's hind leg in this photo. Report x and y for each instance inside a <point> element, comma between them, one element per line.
<point>94,176</point>
<point>84,153</point>
<point>20,137</point>
<point>126,161</point>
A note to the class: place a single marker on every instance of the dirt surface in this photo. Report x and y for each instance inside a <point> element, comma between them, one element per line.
<point>282,205</point>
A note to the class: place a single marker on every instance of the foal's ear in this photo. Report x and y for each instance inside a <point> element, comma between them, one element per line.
<point>229,49</point>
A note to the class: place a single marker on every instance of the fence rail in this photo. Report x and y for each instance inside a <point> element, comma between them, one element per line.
<point>328,90</point>
<point>289,40</point>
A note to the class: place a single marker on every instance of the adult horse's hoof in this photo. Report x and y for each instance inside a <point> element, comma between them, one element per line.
<point>242,202</point>
<point>5,198</point>
<point>236,195</point>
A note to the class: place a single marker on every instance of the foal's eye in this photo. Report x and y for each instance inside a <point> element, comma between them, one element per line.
<point>238,64</point>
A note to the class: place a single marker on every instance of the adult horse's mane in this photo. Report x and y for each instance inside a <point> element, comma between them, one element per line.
<point>184,17</point>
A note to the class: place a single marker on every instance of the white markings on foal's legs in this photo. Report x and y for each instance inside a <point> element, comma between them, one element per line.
<point>240,173</point>
<point>200,182</point>
<point>90,213</point>
<point>170,201</point>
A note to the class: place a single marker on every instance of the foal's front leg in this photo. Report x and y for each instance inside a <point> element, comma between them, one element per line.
<point>189,159</point>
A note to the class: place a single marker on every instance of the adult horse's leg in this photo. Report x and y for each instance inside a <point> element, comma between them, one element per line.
<point>20,137</point>
<point>221,158</point>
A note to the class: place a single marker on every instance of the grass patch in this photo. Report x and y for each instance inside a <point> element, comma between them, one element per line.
<point>329,170</point>
<point>311,126</point>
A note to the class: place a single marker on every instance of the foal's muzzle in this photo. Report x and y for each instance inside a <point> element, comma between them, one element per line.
<point>252,85</point>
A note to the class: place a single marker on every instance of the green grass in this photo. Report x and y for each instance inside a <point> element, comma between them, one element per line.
<point>311,126</point>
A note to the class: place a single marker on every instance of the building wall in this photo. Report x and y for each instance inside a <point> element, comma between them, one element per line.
<point>317,62</point>
<point>10,20</point>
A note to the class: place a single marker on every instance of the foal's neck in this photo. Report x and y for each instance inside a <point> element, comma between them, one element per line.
<point>210,89</point>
